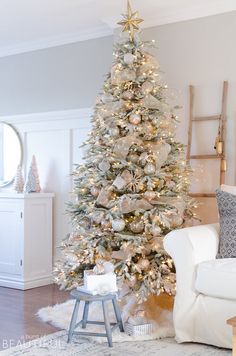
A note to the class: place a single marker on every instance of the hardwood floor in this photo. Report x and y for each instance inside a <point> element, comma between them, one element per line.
<point>18,322</point>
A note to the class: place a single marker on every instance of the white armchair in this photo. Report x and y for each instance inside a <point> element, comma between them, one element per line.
<point>206,287</point>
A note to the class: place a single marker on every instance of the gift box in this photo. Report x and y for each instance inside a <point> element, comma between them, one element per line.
<point>100,283</point>
<point>138,330</point>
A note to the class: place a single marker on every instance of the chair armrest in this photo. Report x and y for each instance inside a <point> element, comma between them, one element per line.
<point>188,247</point>
<point>201,241</point>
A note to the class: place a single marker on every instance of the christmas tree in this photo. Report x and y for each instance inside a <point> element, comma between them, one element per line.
<point>133,187</point>
<point>18,184</point>
<point>33,185</point>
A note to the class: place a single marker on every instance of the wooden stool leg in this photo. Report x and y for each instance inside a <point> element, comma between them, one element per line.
<point>85,315</point>
<point>73,320</point>
<point>107,323</point>
<point>118,314</point>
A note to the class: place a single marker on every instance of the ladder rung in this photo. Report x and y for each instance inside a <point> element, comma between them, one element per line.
<point>202,195</point>
<point>206,118</point>
<point>205,157</point>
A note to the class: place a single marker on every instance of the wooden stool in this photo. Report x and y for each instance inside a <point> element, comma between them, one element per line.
<point>87,298</point>
<point>232,322</point>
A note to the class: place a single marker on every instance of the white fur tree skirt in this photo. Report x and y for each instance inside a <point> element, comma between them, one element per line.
<point>59,315</point>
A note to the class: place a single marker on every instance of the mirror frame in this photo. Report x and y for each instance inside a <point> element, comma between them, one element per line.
<point>21,152</point>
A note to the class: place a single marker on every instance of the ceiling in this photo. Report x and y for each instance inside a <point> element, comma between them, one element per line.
<point>27,25</point>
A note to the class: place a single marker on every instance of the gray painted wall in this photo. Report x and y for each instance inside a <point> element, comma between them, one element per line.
<point>59,78</point>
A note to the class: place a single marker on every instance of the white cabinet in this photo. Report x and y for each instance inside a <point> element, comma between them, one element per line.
<point>25,240</point>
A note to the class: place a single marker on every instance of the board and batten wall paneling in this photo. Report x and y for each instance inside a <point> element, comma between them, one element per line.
<point>55,139</point>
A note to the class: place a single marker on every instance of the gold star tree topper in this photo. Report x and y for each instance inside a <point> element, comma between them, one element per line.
<point>131,21</point>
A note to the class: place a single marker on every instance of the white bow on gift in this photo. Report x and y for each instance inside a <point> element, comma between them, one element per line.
<point>103,267</point>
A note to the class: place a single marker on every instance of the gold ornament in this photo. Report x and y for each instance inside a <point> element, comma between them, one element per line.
<point>131,21</point>
<point>135,119</point>
<point>140,277</point>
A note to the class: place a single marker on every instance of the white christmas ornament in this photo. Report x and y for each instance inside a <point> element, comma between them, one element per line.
<point>129,58</point>
<point>135,119</point>
<point>149,169</point>
<point>118,225</point>
<point>114,131</point>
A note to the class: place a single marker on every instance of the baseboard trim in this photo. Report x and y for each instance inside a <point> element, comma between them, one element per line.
<point>26,284</point>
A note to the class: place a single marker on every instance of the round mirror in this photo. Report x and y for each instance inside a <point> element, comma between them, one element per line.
<point>10,153</point>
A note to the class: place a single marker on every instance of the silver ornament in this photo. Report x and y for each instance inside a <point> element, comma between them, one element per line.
<point>118,225</point>
<point>129,58</point>
<point>95,191</point>
<point>137,226</point>
<point>104,166</point>
<point>147,87</point>
<point>135,119</point>
<point>149,195</point>
<point>149,169</point>
<point>143,263</point>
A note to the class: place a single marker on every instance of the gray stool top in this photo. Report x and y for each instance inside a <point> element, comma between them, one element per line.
<point>91,298</point>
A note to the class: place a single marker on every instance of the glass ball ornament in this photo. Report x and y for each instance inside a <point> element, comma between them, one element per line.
<point>137,226</point>
<point>114,131</point>
<point>128,95</point>
<point>129,58</point>
<point>95,192</point>
<point>149,195</point>
<point>118,225</point>
<point>155,230</point>
<point>135,119</point>
<point>143,264</point>
<point>147,87</point>
<point>133,157</point>
<point>149,169</point>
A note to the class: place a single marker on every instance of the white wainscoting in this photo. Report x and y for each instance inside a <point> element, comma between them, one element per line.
<point>55,139</point>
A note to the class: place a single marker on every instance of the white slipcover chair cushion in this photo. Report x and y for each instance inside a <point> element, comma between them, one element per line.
<point>217,278</point>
